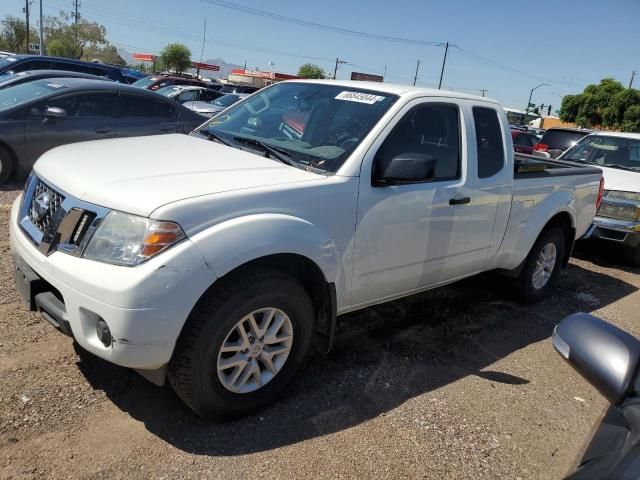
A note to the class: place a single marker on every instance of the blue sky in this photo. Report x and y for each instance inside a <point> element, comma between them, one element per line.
<point>567,43</point>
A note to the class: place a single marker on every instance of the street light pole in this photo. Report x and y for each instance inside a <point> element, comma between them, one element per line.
<point>526,112</point>
<point>42,52</point>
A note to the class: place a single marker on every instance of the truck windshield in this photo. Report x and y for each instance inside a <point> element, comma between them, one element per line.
<point>616,152</point>
<point>25,92</point>
<point>317,125</point>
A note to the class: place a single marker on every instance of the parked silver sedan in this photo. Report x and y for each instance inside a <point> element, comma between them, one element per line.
<point>216,106</point>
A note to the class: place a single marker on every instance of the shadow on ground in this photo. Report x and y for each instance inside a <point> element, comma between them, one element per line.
<point>603,254</point>
<point>383,356</point>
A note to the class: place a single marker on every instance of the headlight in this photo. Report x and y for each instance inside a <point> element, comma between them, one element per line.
<point>623,205</point>
<point>126,239</point>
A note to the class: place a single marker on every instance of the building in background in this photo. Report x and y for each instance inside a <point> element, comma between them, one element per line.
<point>257,78</point>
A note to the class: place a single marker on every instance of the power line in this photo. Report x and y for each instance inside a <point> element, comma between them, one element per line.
<point>319,26</point>
<point>139,23</point>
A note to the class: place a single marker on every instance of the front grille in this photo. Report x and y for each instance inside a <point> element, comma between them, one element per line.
<point>45,203</point>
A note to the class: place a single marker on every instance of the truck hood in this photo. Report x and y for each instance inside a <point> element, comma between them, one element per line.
<point>137,175</point>
<point>620,180</point>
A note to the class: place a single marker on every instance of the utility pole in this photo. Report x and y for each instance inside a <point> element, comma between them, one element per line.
<point>444,60</point>
<point>26,12</point>
<point>75,16</point>
<point>385,73</point>
<point>41,34</point>
<point>415,77</point>
<point>483,90</point>
<point>338,62</point>
<point>633,75</point>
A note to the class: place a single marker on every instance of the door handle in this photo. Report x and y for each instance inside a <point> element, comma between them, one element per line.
<point>460,201</point>
<point>104,130</point>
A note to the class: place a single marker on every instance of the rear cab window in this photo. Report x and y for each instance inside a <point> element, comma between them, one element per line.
<point>489,141</point>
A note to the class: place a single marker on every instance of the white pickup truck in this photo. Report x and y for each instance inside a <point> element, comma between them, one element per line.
<point>218,259</point>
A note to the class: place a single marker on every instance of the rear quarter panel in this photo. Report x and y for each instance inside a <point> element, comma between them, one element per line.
<point>537,200</point>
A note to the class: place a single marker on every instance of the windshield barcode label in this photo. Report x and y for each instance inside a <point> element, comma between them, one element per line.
<point>359,97</point>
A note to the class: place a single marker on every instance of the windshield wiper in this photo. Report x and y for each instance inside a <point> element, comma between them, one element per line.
<point>274,152</point>
<point>214,136</point>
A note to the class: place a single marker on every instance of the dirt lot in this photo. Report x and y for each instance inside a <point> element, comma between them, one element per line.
<point>455,383</point>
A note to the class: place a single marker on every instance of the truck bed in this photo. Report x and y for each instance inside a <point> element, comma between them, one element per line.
<point>530,166</point>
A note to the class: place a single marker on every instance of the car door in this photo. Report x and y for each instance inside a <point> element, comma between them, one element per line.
<point>411,236</point>
<point>138,115</point>
<point>89,116</point>
<point>491,184</point>
<point>187,96</point>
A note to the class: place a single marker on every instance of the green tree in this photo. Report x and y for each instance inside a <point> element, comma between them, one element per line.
<point>604,105</point>
<point>13,34</point>
<point>64,38</point>
<point>176,57</point>
<point>309,70</point>
<point>631,122</point>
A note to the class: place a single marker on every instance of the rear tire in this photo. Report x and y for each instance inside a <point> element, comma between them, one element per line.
<point>196,370</point>
<point>6,164</point>
<point>541,267</point>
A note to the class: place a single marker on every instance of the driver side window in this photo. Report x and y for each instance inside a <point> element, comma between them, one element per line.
<point>428,129</point>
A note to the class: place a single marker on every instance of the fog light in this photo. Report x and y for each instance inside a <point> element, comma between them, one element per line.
<point>103,332</point>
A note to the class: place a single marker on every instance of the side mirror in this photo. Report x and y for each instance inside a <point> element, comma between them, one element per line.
<point>604,355</point>
<point>55,112</point>
<point>404,168</point>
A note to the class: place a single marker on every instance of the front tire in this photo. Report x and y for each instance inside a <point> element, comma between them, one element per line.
<point>242,344</point>
<point>542,266</point>
<point>6,164</point>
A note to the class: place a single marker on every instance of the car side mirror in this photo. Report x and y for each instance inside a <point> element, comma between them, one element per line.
<point>404,168</point>
<point>55,112</point>
<point>604,355</point>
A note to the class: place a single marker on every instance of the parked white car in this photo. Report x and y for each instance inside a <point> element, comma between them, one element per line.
<point>217,259</point>
<point>618,218</point>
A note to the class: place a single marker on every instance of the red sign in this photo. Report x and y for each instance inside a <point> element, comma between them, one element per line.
<point>145,57</point>
<point>367,77</point>
<point>205,66</point>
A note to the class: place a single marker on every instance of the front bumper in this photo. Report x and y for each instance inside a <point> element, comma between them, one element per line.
<point>623,232</point>
<point>144,307</point>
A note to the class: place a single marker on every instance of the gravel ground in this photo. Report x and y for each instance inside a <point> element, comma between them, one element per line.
<point>460,382</point>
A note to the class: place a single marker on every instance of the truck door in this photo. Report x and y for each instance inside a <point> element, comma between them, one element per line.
<point>413,235</point>
<point>491,183</point>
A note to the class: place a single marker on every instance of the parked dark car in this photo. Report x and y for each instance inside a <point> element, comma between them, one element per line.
<point>155,82</point>
<point>557,140</point>
<point>22,63</point>
<point>238,89</point>
<point>37,116</point>
<point>13,79</point>
<point>608,358</point>
<point>523,141</point>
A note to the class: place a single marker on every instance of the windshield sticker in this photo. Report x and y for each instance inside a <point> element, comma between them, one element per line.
<point>359,97</point>
<point>55,85</point>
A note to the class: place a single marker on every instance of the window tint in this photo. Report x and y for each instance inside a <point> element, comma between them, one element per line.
<point>207,96</point>
<point>79,68</point>
<point>188,96</point>
<point>489,141</point>
<point>525,140</point>
<point>86,105</point>
<point>431,130</point>
<point>134,106</point>
<point>32,65</point>
<point>561,139</point>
